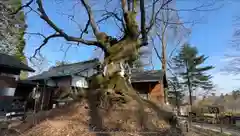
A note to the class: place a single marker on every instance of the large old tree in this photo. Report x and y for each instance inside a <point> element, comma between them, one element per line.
<point>135,19</point>
<point>117,51</point>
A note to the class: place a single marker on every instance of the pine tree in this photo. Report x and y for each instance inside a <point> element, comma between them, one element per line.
<point>140,62</point>
<point>188,65</point>
<point>175,93</point>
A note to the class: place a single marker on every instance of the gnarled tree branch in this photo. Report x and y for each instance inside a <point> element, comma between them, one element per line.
<point>154,15</point>
<point>60,31</point>
<point>45,41</point>
<point>91,18</point>
<point>116,17</point>
<point>85,29</point>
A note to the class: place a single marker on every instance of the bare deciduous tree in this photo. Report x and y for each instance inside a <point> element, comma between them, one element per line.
<point>118,49</point>
<point>233,58</point>
<point>172,31</point>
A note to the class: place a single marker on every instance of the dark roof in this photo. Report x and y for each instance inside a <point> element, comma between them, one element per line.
<point>66,70</point>
<point>147,76</point>
<point>12,62</point>
<point>26,82</point>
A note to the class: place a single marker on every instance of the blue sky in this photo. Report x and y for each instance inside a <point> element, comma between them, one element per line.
<point>212,36</point>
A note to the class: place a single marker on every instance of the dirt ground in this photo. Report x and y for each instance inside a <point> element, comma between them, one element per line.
<point>74,120</point>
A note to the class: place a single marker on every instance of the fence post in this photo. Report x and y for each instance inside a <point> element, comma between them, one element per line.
<point>221,122</point>
<point>220,119</point>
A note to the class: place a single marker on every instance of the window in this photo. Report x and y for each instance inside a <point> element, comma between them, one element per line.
<point>7,91</point>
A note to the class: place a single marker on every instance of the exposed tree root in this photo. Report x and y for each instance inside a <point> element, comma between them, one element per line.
<point>110,93</point>
<point>124,92</point>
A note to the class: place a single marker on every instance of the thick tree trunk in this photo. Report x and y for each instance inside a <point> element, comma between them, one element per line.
<point>113,82</point>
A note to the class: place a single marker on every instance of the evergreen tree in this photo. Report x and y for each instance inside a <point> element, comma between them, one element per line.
<point>140,61</point>
<point>235,94</point>
<point>188,65</point>
<point>12,28</point>
<point>175,92</point>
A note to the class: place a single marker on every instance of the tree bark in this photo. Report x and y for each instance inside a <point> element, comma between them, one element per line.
<point>164,59</point>
<point>117,52</point>
<point>190,95</point>
<point>177,100</point>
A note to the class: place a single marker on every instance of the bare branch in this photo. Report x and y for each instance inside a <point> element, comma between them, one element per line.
<point>174,23</point>
<point>151,61</point>
<point>31,9</point>
<point>171,54</point>
<point>65,51</point>
<point>155,49</point>
<point>154,17</point>
<point>91,18</point>
<point>85,29</point>
<point>60,31</point>
<point>121,29</point>
<point>198,8</point>
<point>21,7</point>
<point>160,58</point>
<point>103,19</point>
<point>129,5</point>
<point>27,12</point>
<point>109,14</point>
<point>124,7</point>
<point>114,15</point>
<point>71,17</point>
<point>45,41</point>
<point>39,34</point>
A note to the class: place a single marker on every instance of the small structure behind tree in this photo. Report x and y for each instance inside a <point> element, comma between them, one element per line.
<point>149,84</point>
<point>60,81</point>
<point>10,69</point>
